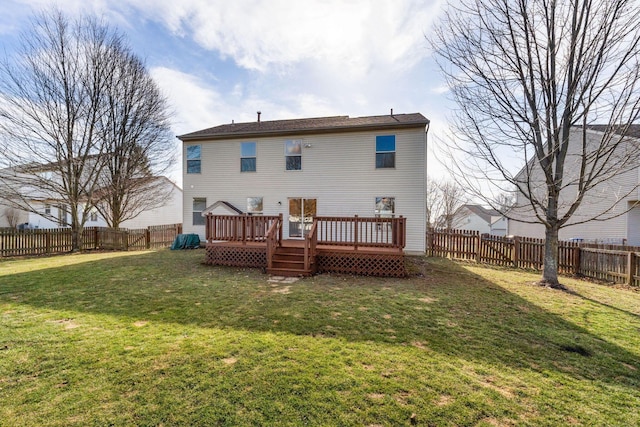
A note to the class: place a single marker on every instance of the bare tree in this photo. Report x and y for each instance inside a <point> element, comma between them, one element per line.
<point>444,199</point>
<point>137,145</point>
<point>525,75</point>
<point>12,215</point>
<point>61,114</point>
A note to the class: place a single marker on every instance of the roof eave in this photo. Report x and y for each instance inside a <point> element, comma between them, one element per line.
<point>322,130</point>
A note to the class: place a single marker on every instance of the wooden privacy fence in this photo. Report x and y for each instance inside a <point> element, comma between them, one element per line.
<point>615,263</point>
<point>59,240</point>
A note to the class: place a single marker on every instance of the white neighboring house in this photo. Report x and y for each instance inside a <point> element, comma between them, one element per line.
<point>479,218</point>
<point>328,166</point>
<point>170,213</point>
<point>621,190</point>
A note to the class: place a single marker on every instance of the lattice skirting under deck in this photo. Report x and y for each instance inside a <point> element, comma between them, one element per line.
<point>237,256</point>
<point>366,264</point>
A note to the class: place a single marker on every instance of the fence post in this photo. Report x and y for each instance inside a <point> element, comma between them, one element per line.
<point>630,264</point>
<point>47,240</point>
<point>147,236</point>
<point>577,252</point>
<point>478,243</point>
<point>516,251</point>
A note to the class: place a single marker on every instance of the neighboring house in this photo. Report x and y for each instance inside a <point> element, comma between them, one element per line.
<point>303,168</point>
<point>42,219</point>
<point>50,212</point>
<point>620,191</point>
<point>477,218</point>
<point>169,213</point>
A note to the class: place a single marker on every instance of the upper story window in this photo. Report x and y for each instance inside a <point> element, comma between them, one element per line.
<point>385,151</point>
<point>47,209</point>
<point>248,157</point>
<point>93,216</point>
<point>293,154</point>
<point>194,159</point>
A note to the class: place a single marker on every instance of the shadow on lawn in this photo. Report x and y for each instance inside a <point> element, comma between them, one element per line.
<point>450,310</point>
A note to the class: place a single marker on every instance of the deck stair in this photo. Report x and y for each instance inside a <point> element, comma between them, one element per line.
<point>288,261</point>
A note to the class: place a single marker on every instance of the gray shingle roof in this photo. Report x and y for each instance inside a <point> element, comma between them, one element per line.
<point>307,126</point>
<point>633,131</point>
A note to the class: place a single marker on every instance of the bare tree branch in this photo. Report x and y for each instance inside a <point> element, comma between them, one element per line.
<point>529,79</point>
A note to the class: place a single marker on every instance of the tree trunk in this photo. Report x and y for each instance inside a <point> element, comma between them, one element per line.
<point>550,268</point>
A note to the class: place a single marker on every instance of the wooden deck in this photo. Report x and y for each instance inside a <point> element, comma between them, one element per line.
<point>365,246</point>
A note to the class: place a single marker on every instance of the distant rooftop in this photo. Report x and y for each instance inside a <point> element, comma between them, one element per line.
<point>307,126</point>
<point>633,131</point>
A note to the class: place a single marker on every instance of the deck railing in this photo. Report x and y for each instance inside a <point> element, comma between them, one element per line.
<point>337,231</point>
<point>362,231</point>
<point>240,228</point>
<point>273,240</point>
<point>310,242</point>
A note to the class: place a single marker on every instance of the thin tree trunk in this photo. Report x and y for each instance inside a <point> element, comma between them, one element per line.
<point>550,268</point>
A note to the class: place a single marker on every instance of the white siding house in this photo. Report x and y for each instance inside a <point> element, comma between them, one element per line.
<point>622,224</point>
<point>476,218</point>
<point>169,213</point>
<point>331,166</point>
<point>48,212</point>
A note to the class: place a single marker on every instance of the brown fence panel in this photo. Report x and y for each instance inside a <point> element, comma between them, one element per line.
<point>457,244</point>
<point>530,253</point>
<point>34,242</point>
<point>614,263</point>
<point>496,250</point>
<point>605,264</point>
<point>59,240</point>
<point>161,236</point>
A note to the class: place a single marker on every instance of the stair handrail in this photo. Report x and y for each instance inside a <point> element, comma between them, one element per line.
<point>310,243</point>
<point>273,238</point>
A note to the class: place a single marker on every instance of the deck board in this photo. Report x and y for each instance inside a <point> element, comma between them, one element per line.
<point>320,247</point>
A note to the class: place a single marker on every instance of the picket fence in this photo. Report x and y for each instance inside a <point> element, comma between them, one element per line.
<point>614,263</point>
<point>59,240</point>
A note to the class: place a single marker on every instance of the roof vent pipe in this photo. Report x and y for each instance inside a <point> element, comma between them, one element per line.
<point>392,111</point>
<point>259,112</point>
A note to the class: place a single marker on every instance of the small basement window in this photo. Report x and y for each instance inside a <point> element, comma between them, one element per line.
<point>199,205</point>
<point>254,205</point>
<point>385,207</point>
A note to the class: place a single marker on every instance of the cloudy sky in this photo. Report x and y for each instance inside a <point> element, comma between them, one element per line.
<point>219,61</point>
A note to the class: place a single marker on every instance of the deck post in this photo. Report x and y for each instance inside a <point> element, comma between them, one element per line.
<point>355,232</point>
<point>244,229</point>
<point>577,252</point>
<point>279,229</point>
<point>211,220</point>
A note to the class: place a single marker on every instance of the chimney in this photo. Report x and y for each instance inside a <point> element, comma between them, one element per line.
<point>259,112</point>
<point>392,111</point>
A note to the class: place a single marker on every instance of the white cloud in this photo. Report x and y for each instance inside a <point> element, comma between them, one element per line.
<point>353,36</point>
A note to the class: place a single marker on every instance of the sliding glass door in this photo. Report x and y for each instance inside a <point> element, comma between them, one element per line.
<point>301,214</point>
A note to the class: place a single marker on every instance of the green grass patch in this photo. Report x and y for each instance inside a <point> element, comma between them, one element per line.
<point>157,338</point>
